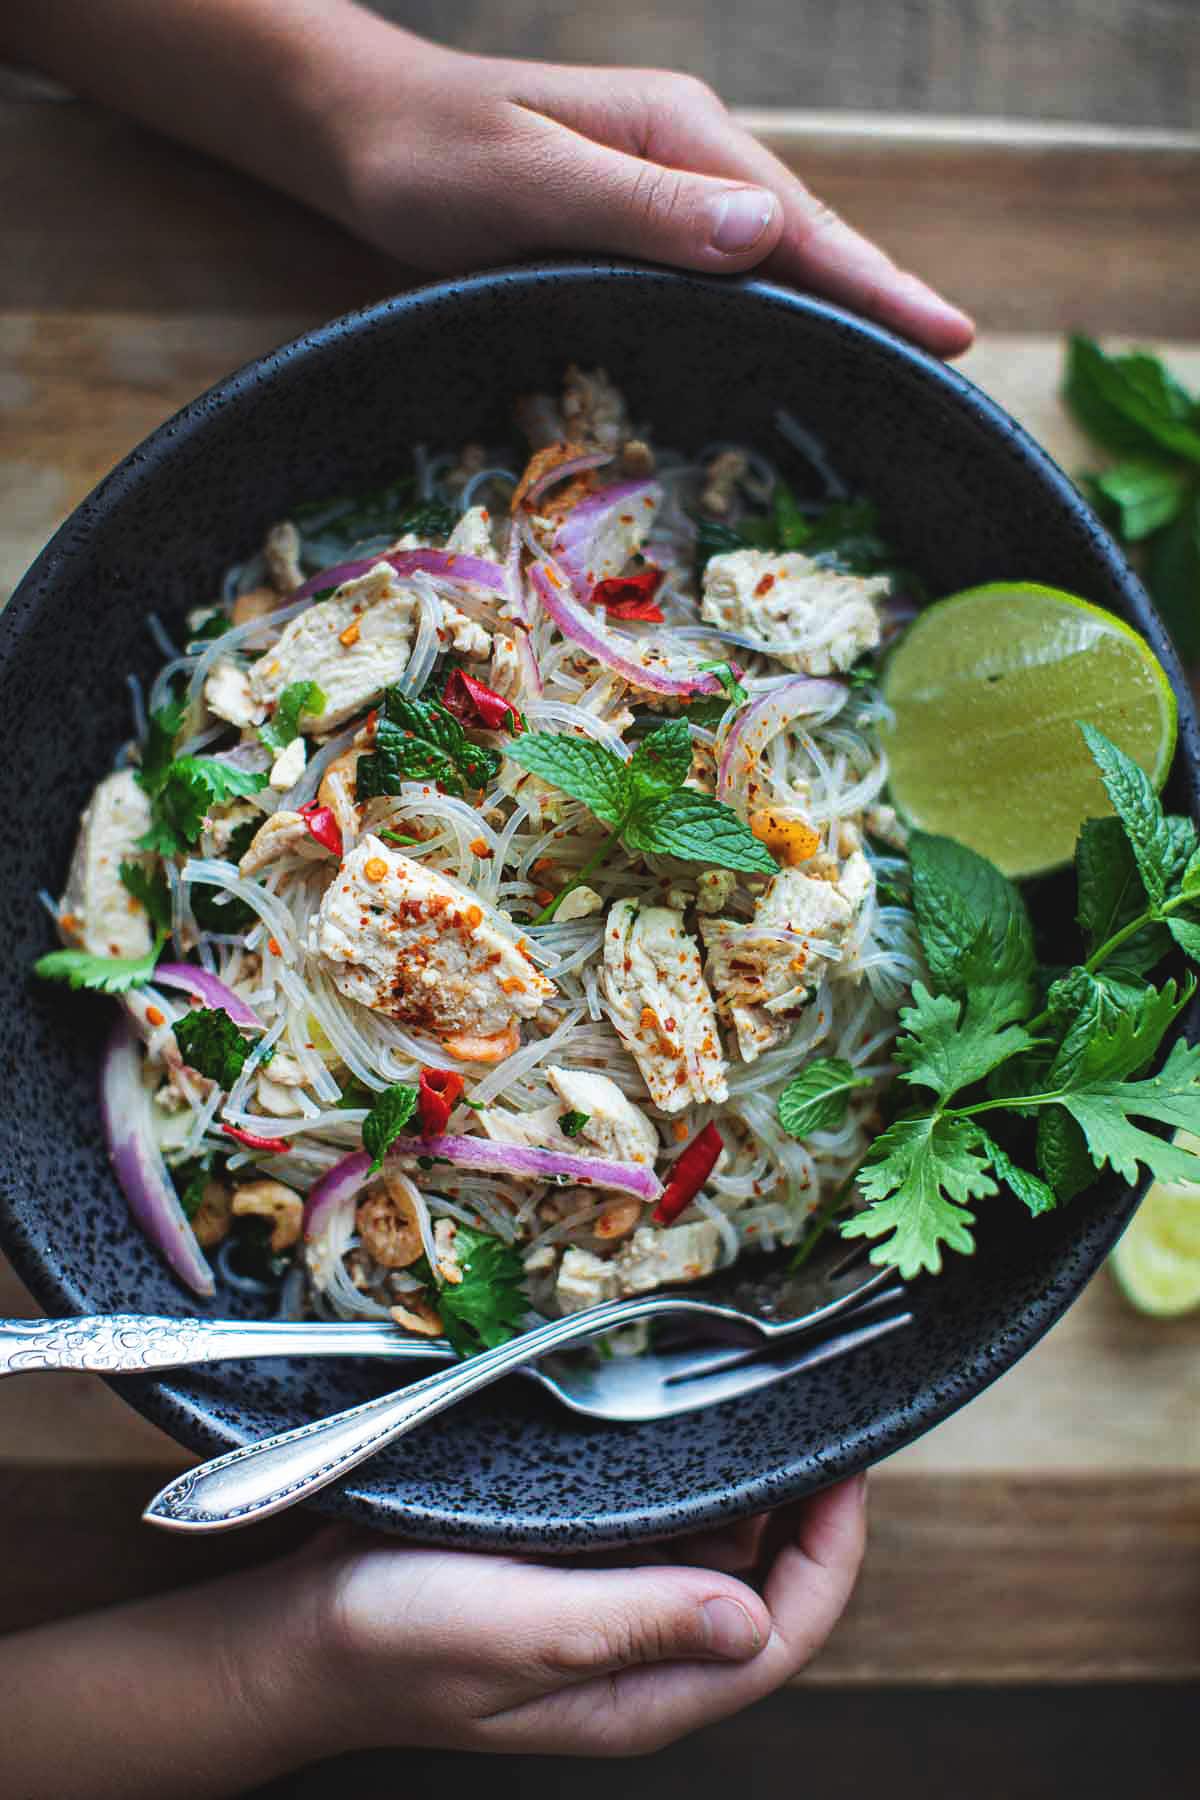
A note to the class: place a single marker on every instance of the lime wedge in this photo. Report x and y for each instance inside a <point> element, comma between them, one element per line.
<point>1157,1261</point>
<point>986,688</point>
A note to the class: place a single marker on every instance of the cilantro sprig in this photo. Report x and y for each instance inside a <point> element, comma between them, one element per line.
<point>643,801</point>
<point>488,1306</point>
<point>1150,497</point>
<point>182,789</point>
<point>102,974</point>
<point>419,740</point>
<point>1056,1066</point>
<point>298,698</point>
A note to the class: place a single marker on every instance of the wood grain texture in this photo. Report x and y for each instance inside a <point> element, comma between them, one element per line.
<point>968,1579</point>
<point>1125,61</point>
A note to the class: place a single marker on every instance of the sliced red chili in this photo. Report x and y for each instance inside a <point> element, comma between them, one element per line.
<point>438,1092</point>
<point>631,596</point>
<point>323,826</point>
<point>689,1173</point>
<point>474,703</point>
<point>279,1146</point>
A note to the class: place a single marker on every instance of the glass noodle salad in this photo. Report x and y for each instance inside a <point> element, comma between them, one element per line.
<point>491,864</point>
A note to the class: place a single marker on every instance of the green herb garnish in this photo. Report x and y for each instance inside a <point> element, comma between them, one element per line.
<point>418,740</point>
<point>211,1043</point>
<point>1072,1066</point>
<point>818,1098</point>
<point>102,974</point>
<point>298,698</point>
<point>488,1306</point>
<point>1150,498</point>
<point>386,1120</point>
<point>643,801</point>
<point>182,789</point>
<point>151,890</point>
<point>572,1123</point>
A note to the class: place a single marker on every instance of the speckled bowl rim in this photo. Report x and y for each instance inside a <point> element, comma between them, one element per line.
<point>181,1413</point>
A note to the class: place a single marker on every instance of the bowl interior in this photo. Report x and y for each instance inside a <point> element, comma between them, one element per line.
<point>965,497</point>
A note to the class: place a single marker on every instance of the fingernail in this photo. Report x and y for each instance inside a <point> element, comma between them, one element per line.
<point>739,219</point>
<point>731,1631</point>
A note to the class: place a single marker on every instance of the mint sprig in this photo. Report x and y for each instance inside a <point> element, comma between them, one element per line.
<point>644,801</point>
<point>211,1043</point>
<point>386,1120</point>
<point>419,740</point>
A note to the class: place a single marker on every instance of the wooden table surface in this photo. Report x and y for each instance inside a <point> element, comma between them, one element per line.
<point>1051,1530</point>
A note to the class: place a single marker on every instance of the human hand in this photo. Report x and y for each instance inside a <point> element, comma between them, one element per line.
<point>450,160</point>
<point>452,1649</point>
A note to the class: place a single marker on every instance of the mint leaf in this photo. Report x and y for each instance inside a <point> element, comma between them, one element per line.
<point>214,910</point>
<point>947,1045</point>
<point>1029,1189</point>
<point>1138,808</point>
<point>572,1123</point>
<point>1186,935</point>
<point>960,898</point>
<point>488,1306</point>
<point>419,740</point>
<point>1173,576</point>
<point>1062,1154</point>
<point>298,698</point>
<point>386,1120</point>
<point>102,974</point>
<point>580,767</point>
<point>1110,895</point>
<point>1147,495</point>
<point>697,828</point>
<point>1128,403</point>
<point>662,762</point>
<point>151,890</point>
<point>818,1098</point>
<point>920,1174</point>
<point>211,1043</point>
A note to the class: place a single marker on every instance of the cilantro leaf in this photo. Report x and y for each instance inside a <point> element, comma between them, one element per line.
<point>1029,1189</point>
<point>572,1123</point>
<point>697,828</point>
<point>1138,807</point>
<point>187,789</point>
<point>920,1175</point>
<point>580,767</point>
<point>1146,494</point>
<point>298,698</point>
<point>818,1098</point>
<point>948,1044</point>
<point>1104,1107</point>
<point>102,974</point>
<point>386,1120</point>
<point>149,888</point>
<point>735,693</point>
<point>162,728</point>
<point>488,1306</point>
<point>662,762</point>
<point>211,1043</point>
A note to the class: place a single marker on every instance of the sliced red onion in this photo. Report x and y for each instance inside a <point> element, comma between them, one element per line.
<point>753,727</point>
<point>563,471</point>
<point>579,542</point>
<point>614,649</point>
<point>137,1161</point>
<point>347,1176</point>
<point>449,564</point>
<point>203,986</point>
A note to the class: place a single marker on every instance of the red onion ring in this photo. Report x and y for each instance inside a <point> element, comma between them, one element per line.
<point>574,465</point>
<point>203,986</point>
<point>611,648</point>
<point>575,539</point>
<point>449,564</point>
<point>347,1176</point>
<point>770,713</point>
<point>137,1161</point>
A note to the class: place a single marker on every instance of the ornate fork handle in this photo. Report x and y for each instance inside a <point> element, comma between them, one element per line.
<point>130,1343</point>
<point>260,1479</point>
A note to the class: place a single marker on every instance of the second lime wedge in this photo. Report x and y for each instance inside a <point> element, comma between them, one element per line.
<point>986,689</point>
<point>1157,1262</point>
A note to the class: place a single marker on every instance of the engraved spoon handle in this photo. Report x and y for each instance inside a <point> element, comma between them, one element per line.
<point>131,1343</point>
<point>260,1479</point>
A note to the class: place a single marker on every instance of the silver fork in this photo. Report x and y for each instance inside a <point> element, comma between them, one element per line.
<point>260,1479</point>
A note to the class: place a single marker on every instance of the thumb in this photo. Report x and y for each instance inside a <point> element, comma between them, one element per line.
<point>612,1619</point>
<point>582,195</point>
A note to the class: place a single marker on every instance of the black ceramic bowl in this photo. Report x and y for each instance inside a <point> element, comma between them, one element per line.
<point>965,496</point>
